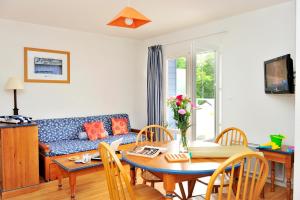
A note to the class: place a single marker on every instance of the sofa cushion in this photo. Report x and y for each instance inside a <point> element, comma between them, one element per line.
<point>95,130</point>
<point>119,126</point>
<point>116,116</point>
<point>51,130</point>
<point>64,147</point>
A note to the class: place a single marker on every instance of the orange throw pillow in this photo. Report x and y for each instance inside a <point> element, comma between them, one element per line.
<point>95,130</point>
<point>119,126</point>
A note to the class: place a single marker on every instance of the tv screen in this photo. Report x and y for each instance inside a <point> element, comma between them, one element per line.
<point>279,77</point>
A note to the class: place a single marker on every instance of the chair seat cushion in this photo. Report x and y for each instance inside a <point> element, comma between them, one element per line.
<point>145,192</point>
<point>148,176</point>
<point>64,147</point>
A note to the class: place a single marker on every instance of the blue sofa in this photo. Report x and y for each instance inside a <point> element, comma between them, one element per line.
<point>59,138</point>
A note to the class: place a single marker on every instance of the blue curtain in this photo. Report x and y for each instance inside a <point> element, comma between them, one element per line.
<point>155,103</point>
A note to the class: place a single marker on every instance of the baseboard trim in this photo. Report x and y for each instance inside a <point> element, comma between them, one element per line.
<point>20,191</point>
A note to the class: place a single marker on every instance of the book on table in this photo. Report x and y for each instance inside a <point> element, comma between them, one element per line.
<point>146,151</point>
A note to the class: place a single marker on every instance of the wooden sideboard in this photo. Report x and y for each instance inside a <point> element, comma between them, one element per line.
<point>286,157</point>
<point>19,164</point>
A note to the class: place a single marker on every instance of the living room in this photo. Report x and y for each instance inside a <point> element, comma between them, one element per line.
<point>107,72</point>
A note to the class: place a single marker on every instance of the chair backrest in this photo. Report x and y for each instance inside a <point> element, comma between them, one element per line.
<point>245,187</point>
<point>117,179</point>
<point>154,133</point>
<point>232,136</point>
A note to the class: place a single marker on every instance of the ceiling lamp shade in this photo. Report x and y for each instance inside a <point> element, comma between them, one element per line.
<point>129,18</point>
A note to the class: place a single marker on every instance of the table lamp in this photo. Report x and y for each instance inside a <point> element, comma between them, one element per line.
<point>15,84</point>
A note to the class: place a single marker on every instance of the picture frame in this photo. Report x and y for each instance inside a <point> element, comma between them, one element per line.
<point>46,66</point>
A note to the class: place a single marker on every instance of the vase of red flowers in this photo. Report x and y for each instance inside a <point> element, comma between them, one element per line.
<point>182,107</point>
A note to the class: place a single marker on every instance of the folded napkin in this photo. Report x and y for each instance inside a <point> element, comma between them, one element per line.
<point>217,151</point>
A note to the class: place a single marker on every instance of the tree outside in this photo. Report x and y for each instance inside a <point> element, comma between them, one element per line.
<point>205,76</point>
<point>181,63</point>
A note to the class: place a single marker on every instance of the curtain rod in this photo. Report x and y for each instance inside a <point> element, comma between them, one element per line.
<point>194,38</point>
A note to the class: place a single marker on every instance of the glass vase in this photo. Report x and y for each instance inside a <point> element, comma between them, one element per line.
<point>183,144</point>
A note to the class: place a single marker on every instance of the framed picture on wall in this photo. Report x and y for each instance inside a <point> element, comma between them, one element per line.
<point>46,66</point>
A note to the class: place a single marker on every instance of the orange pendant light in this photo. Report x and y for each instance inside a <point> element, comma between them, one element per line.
<point>129,18</point>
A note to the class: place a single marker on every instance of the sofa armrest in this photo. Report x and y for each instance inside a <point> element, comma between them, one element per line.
<point>44,147</point>
<point>135,130</point>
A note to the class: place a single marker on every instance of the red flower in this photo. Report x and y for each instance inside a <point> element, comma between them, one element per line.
<point>178,103</point>
<point>179,98</point>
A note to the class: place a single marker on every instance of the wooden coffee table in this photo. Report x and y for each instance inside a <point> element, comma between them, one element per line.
<point>72,170</point>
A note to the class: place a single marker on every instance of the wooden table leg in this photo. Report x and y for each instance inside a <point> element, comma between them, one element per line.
<point>191,186</point>
<point>182,191</point>
<point>169,185</point>
<point>272,176</point>
<point>132,175</point>
<point>72,181</point>
<point>288,172</point>
<point>60,181</point>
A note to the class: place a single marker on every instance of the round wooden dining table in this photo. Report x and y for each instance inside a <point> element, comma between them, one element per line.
<point>173,172</point>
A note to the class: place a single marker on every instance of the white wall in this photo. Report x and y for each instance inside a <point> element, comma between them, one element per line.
<point>103,71</point>
<point>297,109</point>
<point>250,39</point>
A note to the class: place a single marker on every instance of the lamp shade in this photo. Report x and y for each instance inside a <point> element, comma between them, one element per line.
<point>129,18</point>
<point>14,83</point>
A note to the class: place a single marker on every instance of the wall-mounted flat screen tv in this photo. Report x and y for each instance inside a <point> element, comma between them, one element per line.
<point>279,75</point>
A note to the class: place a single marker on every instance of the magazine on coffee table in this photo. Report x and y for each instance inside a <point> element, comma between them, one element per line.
<point>114,145</point>
<point>146,151</point>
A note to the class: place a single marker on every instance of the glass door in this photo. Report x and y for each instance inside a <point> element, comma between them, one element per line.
<point>176,83</point>
<point>190,69</point>
<point>204,95</point>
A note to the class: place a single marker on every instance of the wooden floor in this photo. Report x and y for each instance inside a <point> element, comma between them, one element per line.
<point>93,187</point>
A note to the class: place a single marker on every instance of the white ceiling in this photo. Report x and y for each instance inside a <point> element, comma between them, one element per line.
<point>92,15</point>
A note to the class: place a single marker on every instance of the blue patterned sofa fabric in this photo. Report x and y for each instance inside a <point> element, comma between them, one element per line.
<point>64,147</point>
<point>51,130</point>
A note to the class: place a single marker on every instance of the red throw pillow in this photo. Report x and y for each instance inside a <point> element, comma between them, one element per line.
<point>119,126</point>
<point>95,130</point>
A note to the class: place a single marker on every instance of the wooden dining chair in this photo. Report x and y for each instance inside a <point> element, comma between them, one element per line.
<point>247,176</point>
<point>232,136</point>
<point>155,133</point>
<point>229,136</point>
<point>118,181</point>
